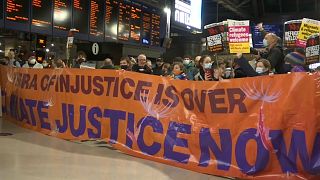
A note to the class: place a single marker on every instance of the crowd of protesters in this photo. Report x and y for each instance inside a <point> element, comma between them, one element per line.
<point>272,60</point>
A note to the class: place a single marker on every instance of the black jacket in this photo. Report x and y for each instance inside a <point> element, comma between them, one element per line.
<point>244,69</point>
<point>145,69</point>
<point>276,58</point>
<point>157,70</point>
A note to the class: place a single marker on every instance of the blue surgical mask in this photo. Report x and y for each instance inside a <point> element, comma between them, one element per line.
<point>208,66</point>
<point>265,43</point>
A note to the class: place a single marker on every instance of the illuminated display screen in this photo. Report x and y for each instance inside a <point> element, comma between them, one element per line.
<point>96,18</point>
<point>80,16</point>
<point>124,21</point>
<point>188,13</point>
<point>155,29</point>
<point>41,13</point>
<point>135,22</point>
<point>62,14</point>
<point>146,26</point>
<point>111,19</point>
<point>18,11</point>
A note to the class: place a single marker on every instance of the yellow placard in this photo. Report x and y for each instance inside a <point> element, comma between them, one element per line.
<point>239,47</point>
<point>308,28</point>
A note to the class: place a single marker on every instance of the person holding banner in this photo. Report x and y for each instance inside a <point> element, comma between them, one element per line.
<point>274,50</point>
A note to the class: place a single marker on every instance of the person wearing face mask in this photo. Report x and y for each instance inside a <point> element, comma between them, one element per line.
<point>191,70</point>
<point>263,67</point>
<point>125,64</point>
<point>274,53</point>
<point>31,62</point>
<point>157,70</point>
<point>205,70</point>
<point>179,72</point>
<point>45,64</point>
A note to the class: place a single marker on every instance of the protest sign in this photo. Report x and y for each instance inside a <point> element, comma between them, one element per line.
<point>239,36</point>
<point>313,50</point>
<point>291,30</point>
<point>252,128</point>
<point>215,37</point>
<point>308,28</point>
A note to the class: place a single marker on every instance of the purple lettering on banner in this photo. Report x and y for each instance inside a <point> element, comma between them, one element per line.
<point>23,112</point>
<point>34,83</point>
<point>130,130</point>
<point>76,87</point>
<point>4,103</point>
<point>109,80</point>
<point>233,101</point>
<point>123,88</point>
<point>62,128</point>
<point>157,128</point>
<point>214,101</point>
<point>262,159</point>
<point>171,93</point>
<point>25,81</point>
<point>31,104</point>
<point>83,84</point>
<point>82,121</point>
<point>288,161</point>
<point>13,106</point>
<point>64,83</point>
<point>202,102</point>
<point>188,102</point>
<point>140,89</point>
<point>115,116</point>
<point>116,88</point>
<point>97,83</point>
<point>43,115</point>
<point>160,89</point>
<point>51,82</point>
<point>93,114</point>
<point>44,82</point>
<point>172,140</point>
<point>223,156</point>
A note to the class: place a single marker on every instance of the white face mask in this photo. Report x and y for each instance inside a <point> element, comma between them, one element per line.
<point>186,62</point>
<point>45,64</point>
<point>208,66</point>
<point>260,70</point>
<point>265,43</point>
<point>32,61</point>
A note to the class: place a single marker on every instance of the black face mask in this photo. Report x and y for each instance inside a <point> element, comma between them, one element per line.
<point>125,67</point>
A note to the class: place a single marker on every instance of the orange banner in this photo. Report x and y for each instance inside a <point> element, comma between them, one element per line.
<point>261,128</point>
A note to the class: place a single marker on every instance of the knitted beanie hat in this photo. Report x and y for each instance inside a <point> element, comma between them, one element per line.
<point>295,58</point>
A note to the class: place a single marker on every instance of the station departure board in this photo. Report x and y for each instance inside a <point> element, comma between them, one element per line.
<point>124,21</point>
<point>62,15</point>
<point>80,16</point>
<point>155,29</point>
<point>18,11</point>
<point>146,26</point>
<point>41,13</point>
<point>96,18</point>
<point>135,22</point>
<point>111,19</point>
